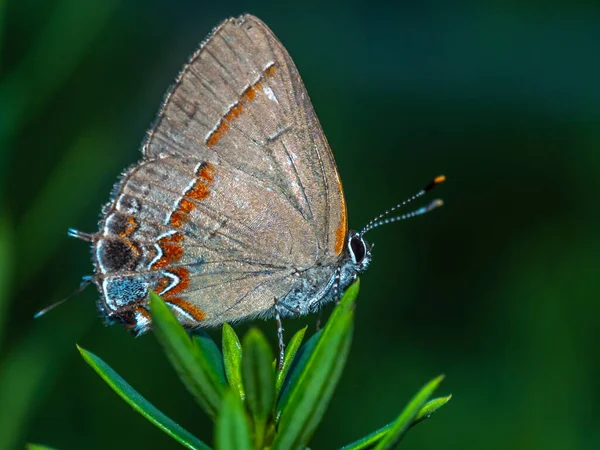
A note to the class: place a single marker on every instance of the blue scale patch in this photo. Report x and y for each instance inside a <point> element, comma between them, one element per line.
<point>125,290</point>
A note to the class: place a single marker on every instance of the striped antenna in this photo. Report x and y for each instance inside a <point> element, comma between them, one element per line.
<point>379,220</point>
<point>85,282</point>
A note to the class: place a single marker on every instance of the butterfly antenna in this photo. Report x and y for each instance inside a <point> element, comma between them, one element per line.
<point>379,220</point>
<point>85,282</point>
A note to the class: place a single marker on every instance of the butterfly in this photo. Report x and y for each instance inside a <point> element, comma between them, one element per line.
<point>236,209</point>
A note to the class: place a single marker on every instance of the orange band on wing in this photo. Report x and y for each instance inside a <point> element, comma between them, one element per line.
<point>193,310</point>
<point>178,218</point>
<point>199,191</point>
<point>271,71</point>
<point>247,96</point>
<point>206,172</point>
<point>217,134</point>
<point>170,296</point>
<point>184,281</point>
<point>172,251</point>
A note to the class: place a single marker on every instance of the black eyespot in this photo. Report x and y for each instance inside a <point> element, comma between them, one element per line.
<point>115,255</point>
<point>358,248</point>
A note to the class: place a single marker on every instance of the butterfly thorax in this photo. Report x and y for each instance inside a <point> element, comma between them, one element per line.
<point>327,282</point>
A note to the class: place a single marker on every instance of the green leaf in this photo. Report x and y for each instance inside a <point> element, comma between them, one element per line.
<point>192,366</point>
<point>140,404</point>
<point>371,439</point>
<point>296,370</point>
<point>38,447</point>
<point>259,381</point>
<point>207,347</point>
<point>311,390</point>
<point>290,353</point>
<point>232,358</point>
<point>408,416</point>
<point>430,407</point>
<point>231,431</point>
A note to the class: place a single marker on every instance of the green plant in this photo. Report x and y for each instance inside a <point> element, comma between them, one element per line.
<point>254,404</point>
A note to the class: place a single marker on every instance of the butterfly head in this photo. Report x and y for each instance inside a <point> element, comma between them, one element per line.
<point>359,251</point>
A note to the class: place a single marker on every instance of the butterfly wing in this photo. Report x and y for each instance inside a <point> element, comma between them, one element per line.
<point>237,192</point>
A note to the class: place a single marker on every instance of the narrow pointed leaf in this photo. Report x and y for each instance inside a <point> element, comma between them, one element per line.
<point>212,354</point>
<point>140,404</point>
<point>38,447</point>
<point>192,366</point>
<point>408,415</point>
<point>290,353</point>
<point>296,370</point>
<point>259,381</point>
<point>312,389</point>
<point>371,439</point>
<point>430,407</point>
<point>232,431</point>
<point>232,359</point>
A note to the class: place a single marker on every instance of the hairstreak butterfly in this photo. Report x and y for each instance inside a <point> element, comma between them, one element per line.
<point>236,209</point>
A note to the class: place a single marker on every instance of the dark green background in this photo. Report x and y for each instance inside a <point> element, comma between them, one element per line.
<point>498,290</point>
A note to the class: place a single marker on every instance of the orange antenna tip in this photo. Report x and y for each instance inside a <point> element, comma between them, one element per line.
<point>433,183</point>
<point>435,204</point>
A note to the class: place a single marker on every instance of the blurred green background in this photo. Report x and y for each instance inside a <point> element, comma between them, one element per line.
<point>498,289</point>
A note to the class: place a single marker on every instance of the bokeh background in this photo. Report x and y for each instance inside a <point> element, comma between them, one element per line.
<point>498,290</point>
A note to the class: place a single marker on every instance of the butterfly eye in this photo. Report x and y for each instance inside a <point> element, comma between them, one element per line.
<point>357,249</point>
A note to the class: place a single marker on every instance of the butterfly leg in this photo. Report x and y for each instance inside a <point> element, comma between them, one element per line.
<point>319,317</point>
<point>336,285</point>
<point>279,334</point>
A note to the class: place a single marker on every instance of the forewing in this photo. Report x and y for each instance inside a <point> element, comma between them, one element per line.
<point>241,102</point>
